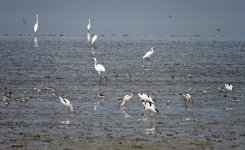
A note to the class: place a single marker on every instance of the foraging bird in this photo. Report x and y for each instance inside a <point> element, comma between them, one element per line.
<point>146,98</point>
<point>94,39</point>
<point>99,68</point>
<point>148,54</point>
<point>6,100</point>
<point>150,106</point>
<point>7,96</point>
<point>67,103</point>
<point>101,95</point>
<point>236,99</point>
<point>186,98</point>
<point>205,91</point>
<point>126,98</point>
<point>229,87</point>
<point>221,89</point>
<point>36,26</point>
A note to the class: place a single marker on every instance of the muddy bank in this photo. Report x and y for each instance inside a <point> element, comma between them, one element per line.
<point>35,118</point>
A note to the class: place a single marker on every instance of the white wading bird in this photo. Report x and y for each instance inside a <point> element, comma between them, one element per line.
<point>148,54</point>
<point>146,98</point>
<point>126,98</point>
<point>150,106</point>
<point>88,28</point>
<point>36,26</point>
<point>99,68</point>
<point>229,87</point>
<point>67,103</point>
<point>94,39</point>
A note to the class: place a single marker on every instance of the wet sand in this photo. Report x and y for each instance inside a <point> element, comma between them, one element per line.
<point>35,119</point>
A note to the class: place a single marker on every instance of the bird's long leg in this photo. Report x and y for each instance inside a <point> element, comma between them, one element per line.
<point>93,52</point>
<point>147,61</point>
<point>186,106</point>
<point>100,80</point>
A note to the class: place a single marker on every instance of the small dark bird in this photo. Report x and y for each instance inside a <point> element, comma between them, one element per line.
<point>23,20</point>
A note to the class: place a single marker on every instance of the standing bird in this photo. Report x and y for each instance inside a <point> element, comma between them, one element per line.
<point>186,98</point>
<point>94,39</point>
<point>148,54</point>
<point>36,26</point>
<point>99,68</point>
<point>67,103</point>
<point>146,98</point>
<point>126,98</point>
<point>88,28</point>
<point>150,106</point>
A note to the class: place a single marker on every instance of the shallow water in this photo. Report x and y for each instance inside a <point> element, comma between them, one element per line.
<point>37,119</point>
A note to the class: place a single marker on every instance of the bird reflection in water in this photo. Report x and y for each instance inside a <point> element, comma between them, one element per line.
<point>35,42</point>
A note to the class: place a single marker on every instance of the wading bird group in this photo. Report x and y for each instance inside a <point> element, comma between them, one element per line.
<point>147,101</point>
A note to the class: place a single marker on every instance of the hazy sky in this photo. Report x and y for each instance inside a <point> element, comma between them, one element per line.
<point>153,17</point>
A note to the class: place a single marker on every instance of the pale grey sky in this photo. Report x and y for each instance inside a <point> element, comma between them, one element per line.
<point>149,17</point>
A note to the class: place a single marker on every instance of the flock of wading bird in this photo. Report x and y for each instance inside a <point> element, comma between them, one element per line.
<point>147,101</point>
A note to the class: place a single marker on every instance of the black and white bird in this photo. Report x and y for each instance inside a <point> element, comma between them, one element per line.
<point>205,91</point>
<point>229,87</point>
<point>186,97</point>
<point>7,96</point>
<point>66,103</point>
<point>125,99</point>
<point>190,76</point>
<point>150,106</point>
<point>146,98</point>
<point>101,95</point>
